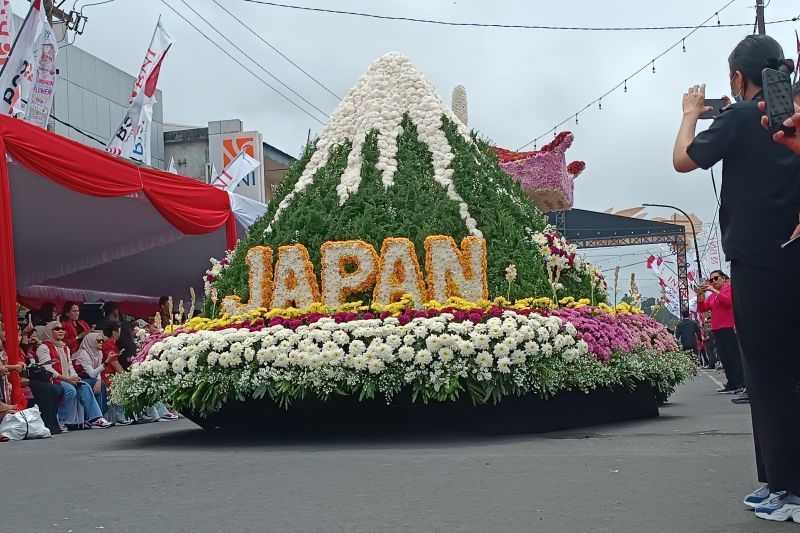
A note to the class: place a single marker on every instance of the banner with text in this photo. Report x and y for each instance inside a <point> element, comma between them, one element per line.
<point>16,77</point>
<point>235,172</point>
<point>132,138</point>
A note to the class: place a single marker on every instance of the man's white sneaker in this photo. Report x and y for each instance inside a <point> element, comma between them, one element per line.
<point>780,507</point>
<point>757,497</point>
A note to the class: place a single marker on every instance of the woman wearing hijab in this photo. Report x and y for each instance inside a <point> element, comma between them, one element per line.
<point>54,355</point>
<point>758,213</point>
<point>75,329</point>
<point>88,363</point>
<point>95,366</point>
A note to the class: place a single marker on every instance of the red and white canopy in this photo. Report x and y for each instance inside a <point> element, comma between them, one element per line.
<point>78,223</point>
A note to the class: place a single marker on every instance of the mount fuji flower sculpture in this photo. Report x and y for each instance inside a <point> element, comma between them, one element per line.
<point>399,261</point>
<point>394,161</point>
<point>544,174</point>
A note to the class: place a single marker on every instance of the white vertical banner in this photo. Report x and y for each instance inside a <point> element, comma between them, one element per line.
<point>17,73</point>
<point>6,30</point>
<point>132,138</point>
<point>235,172</point>
<point>40,100</point>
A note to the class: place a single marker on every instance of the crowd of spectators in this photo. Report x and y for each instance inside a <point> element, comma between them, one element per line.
<point>68,365</point>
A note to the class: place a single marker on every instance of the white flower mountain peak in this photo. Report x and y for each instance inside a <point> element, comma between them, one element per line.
<point>390,88</point>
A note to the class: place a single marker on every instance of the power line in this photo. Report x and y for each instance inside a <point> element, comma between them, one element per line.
<point>624,83</point>
<point>259,65</point>
<point>502,26</point>
<point>256,76</point>
<point>276,50</point>
<point>89,135</point>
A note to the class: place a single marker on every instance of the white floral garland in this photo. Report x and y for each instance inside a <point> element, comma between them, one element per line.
<point>424,346</point>
<point>391,87</point>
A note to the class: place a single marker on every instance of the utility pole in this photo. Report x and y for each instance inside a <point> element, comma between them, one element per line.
<point>762,27</point>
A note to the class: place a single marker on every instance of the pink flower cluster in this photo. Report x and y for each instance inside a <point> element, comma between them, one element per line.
<point>606,334</point>
<point>544,174</point>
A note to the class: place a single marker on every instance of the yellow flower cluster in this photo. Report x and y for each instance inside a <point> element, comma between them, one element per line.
<point>405,303</point>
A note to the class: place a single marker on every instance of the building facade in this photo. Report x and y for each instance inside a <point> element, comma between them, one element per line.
<point>202,153</point>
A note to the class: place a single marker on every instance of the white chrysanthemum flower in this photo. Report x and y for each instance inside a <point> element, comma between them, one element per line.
<point>481,341</point>
<point>281,360</point>
<point>570,355</point>
<point>249,354</point>
<point>496,332</point>
<point>360,362</point>
<point>547,349</point>
<point>518,357</point>
<point>394,341</point>
<point>433,343</point>
<point>531,347</point>
<point>436,326</point>
<point>446,355</point>
<point>212,358</point>
<point>409,340</point>
<point>494,322</point>
<point>357,347</point>
<point>543,334</point>
<point>504,365</point>
<point>375,366</point>
<point>406,353</point>
<point>420,331</point>
<point>466,347</point>
<point>423,358</point>
<point>570,328</point>
<point>340,337</point>
<point>484,359</point>
<point>501,350</point>
<point>582,347</point>
<point>178,365</point>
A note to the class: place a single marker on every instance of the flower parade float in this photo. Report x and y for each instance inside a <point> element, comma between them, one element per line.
<point>402,279</point>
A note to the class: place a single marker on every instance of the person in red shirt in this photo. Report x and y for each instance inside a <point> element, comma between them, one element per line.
<point>111,365</point>
<point>720,304</point>
<point>75,329</point>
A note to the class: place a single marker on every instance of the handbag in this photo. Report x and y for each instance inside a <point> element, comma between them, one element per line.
<point>24,425</point>
<point>36,372</point>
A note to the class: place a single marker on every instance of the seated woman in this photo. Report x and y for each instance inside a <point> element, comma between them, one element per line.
<point>89,364</point>
<point>46,395</point>
<point>95,363</point>
<point>54,355</point>
<point>75,329</point>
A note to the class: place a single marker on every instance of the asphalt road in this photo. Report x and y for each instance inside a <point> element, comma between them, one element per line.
<point>683,472</point>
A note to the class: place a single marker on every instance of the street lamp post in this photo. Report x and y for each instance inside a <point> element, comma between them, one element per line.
<point>694,233</point>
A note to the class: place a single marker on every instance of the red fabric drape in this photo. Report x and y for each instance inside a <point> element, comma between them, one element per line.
<point>192,207</point>
<point>8,279</point>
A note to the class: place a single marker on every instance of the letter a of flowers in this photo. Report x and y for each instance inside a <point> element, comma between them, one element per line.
<point>399,273</point>
<point>295,282</point>
<point>337,282</point>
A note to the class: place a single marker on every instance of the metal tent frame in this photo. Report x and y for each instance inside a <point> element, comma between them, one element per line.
<point>592,229</point>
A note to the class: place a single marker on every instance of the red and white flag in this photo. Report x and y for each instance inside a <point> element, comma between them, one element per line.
<point>16,77</point>
<point>6,31</point>
<point>235,172</point>
<point>132,138</point>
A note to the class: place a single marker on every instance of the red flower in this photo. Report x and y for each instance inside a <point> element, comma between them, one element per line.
<point>575,168</point>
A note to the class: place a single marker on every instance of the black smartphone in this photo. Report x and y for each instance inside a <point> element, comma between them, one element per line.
<point>716,105</point>
<point>777,87</point>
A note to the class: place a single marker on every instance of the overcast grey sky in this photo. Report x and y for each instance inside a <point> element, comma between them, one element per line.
<point>519,82</point>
